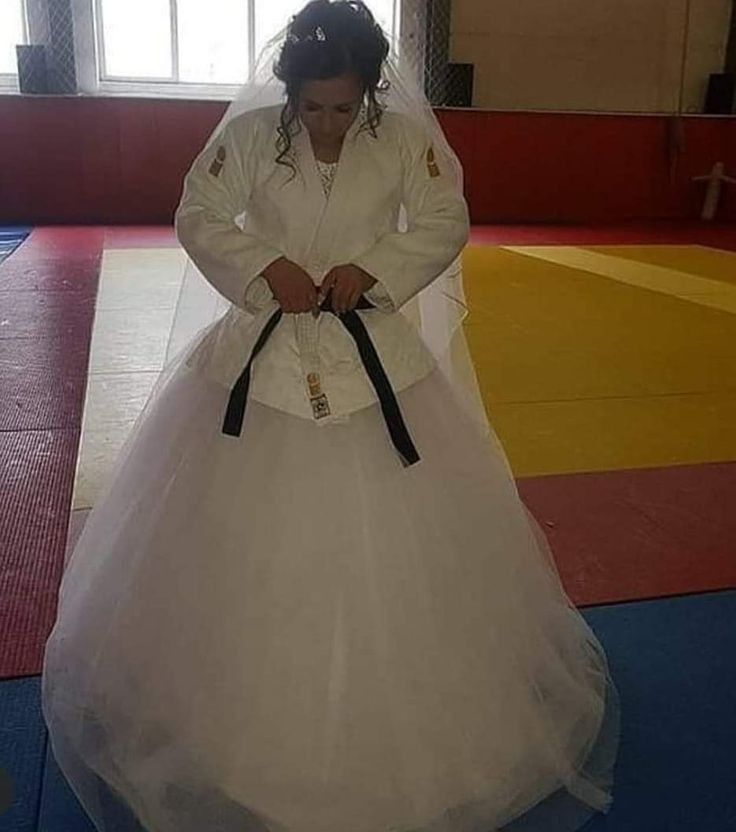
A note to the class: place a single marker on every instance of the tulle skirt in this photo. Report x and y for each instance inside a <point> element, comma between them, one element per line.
<point>290,632</point>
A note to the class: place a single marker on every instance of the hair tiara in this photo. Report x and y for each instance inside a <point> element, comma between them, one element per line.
<point>318,34</point>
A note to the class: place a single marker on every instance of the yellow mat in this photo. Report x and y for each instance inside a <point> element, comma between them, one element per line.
<point>718,264</point>
<point>588,361</point>
<point>704,289</point>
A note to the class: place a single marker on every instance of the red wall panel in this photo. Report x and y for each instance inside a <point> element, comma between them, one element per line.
<point>116,160</point>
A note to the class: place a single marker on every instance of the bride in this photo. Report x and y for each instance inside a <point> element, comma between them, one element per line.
<point>310,599</point>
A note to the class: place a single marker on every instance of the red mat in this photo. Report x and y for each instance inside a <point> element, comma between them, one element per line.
<point>47,295</point>
<point>62,242</point>
<point>625,535</point>
<point>36,476</point>
<point>140,236</point>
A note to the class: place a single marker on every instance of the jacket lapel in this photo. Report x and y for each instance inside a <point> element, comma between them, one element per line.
<point>330,212</point>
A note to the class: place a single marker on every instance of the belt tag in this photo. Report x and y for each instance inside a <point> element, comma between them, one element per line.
<point>320,406</point>
<point>318,400</point>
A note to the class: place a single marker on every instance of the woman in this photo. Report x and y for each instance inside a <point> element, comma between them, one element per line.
<point>311,599</point>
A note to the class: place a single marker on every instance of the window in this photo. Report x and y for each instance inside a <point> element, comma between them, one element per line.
<point>13,30</point>
<point>186,44</point>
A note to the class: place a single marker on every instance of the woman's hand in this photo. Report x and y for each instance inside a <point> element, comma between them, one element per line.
<point>292,287</point>
<point>348,283</point>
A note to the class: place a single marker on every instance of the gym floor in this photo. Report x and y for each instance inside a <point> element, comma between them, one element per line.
<point>605,358</point>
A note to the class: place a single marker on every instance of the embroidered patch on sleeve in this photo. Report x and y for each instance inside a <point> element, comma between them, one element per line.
<point>432,168</point>
<point>218,161</point>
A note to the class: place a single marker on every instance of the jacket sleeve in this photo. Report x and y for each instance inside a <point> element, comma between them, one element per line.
<point>216,191</point>
<point>403,263</point>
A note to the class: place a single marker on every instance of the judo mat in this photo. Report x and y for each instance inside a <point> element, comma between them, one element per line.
<point>588,361</point>
<point>10,238</point>
<point>604,361</point>
<point>607,372</point>
<point>47,296</point>
<point>674,661</point>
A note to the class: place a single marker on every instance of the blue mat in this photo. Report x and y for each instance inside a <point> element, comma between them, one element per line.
<point>674,662</point>
<point>10,238</point>
<point>22,752</point>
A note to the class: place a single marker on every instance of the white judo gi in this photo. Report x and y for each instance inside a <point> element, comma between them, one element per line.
<point>290,215</point>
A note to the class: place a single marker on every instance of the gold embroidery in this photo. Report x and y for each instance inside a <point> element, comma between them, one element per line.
<point>218,161</point>
<point>315,388</point>
<point>432,168</point>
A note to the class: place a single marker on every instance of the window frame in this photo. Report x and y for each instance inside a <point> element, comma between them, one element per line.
<point>88,53</point>
<point>9,80</point>
<point>171,87</point>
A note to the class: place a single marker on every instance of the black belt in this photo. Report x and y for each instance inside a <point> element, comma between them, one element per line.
<point>397,429</point>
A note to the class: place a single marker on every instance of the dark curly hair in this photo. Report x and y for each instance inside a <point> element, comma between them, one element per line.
<point>328,38</point>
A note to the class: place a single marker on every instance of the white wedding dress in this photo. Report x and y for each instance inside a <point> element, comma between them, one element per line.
<point>290,632</point>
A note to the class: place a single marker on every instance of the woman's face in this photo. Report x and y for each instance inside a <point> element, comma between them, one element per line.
<point>327,108</point>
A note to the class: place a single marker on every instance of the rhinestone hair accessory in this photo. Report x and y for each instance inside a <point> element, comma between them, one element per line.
<point>318,34</point>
